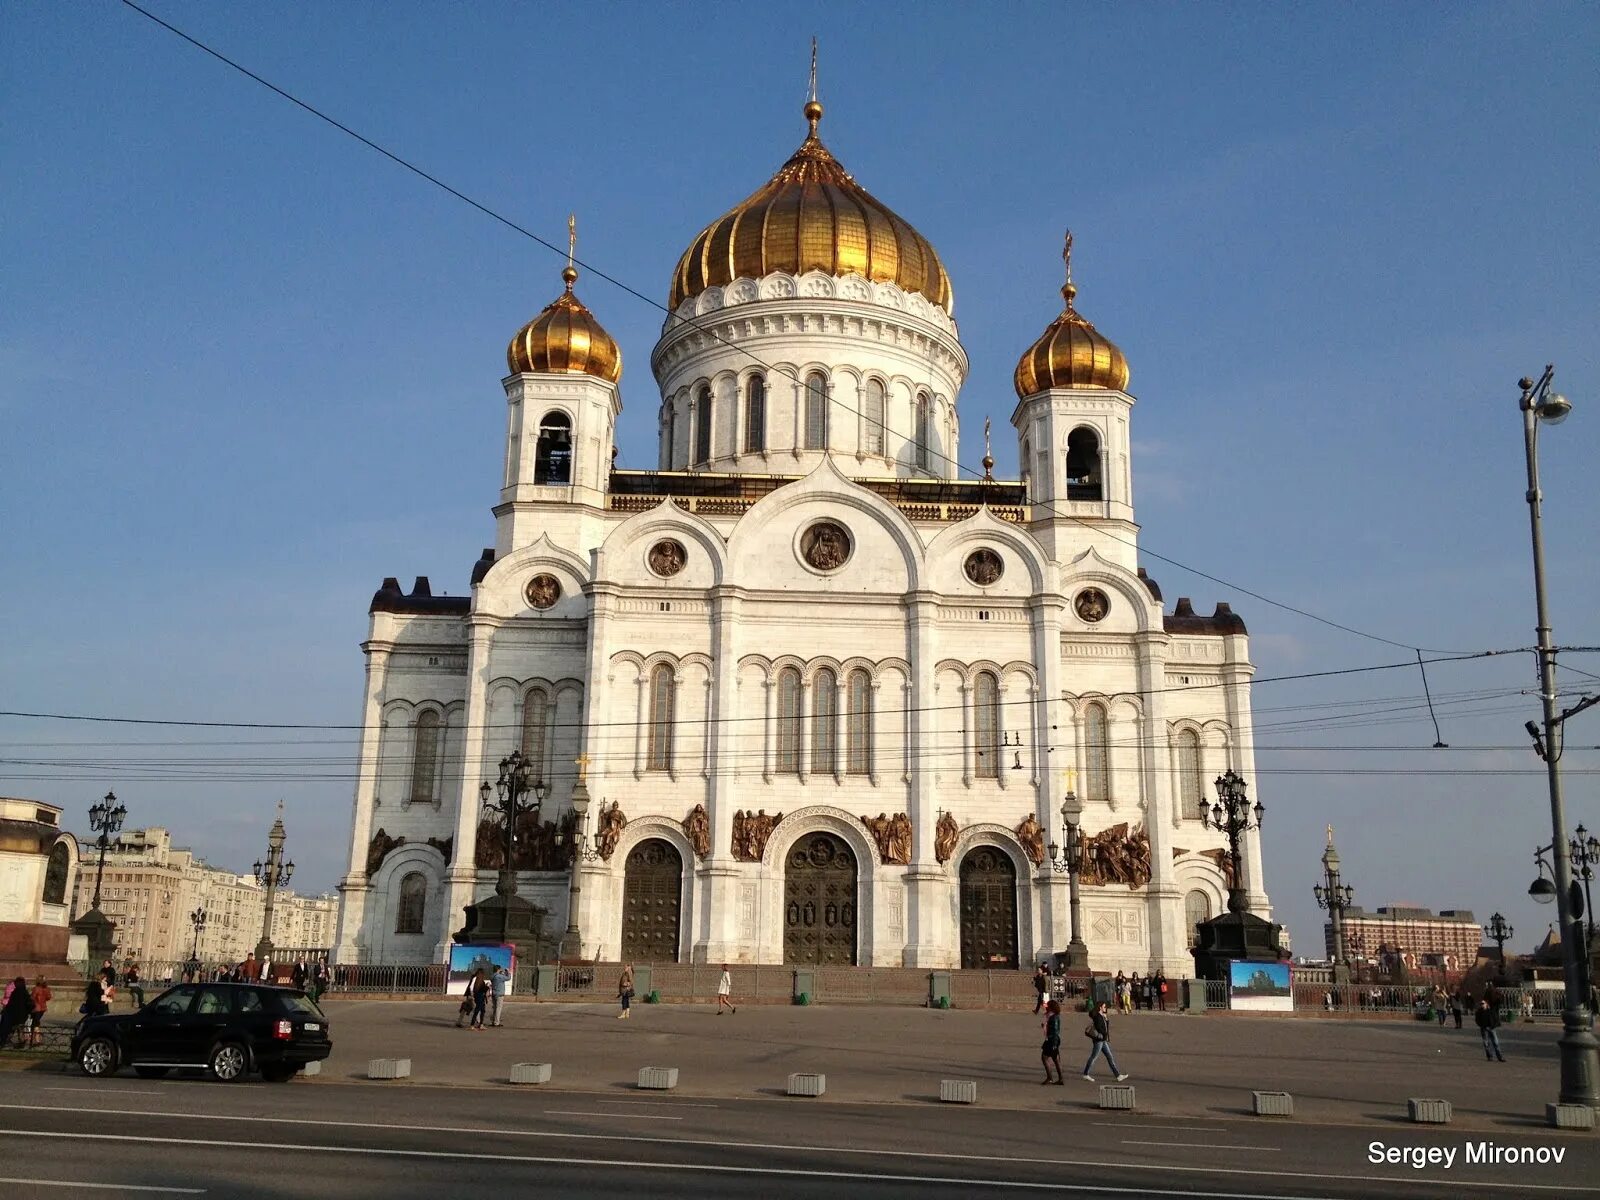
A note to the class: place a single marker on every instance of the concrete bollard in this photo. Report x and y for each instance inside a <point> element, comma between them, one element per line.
<point>389,1068</point>
<point>1272,1104</point>
<point>1116,1095</point>
<point>1428,1112</point>
<point>530,1072</point>
<point>312,1068</point>
<point>807,1085</point>
<point>661,1079</point>
<point>1569,1116</point>
<point>958,1091</point>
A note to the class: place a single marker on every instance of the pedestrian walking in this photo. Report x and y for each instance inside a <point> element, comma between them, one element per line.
<point>725,992</point>
<point>625,990</point>
<point>94,997</point>
<point>1527,1006</point>
<point>1457,1005</point>
<point>1098,1032</point>
<point>1160,987</point>
<point>1488,1020</point>
<point>41,1002</point>
<point>14,1009</point>
<point>298,975</point>
<point>1050,1051</point>
<point>321,978</point>
<point>497,990</point>
<point>134,982</point>
<point>480,999</point>
<point>1041,985</point>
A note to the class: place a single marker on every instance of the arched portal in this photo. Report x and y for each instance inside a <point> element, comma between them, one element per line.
<point>652,882</point>
<point>819,902</point>
<point>988,909</point>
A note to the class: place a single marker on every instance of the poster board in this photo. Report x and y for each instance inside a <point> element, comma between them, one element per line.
<point>1262,986</point>
<point>465,961</point>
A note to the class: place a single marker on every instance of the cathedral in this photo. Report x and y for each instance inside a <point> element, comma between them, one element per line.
<point>827,694</point>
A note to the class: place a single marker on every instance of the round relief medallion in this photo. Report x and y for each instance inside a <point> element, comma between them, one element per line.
<point>542,591</point>
<point>826,545</point>
<point>1092,605</point>
<point>984,567</point>
<point>667,557</point>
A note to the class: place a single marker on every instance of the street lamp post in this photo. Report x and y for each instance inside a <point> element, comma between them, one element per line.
<point>1335,896</point>
<point>1070,862</point>
<point>198,919</point>
<point>505,800</point>
<point>106,820</point>
<point>1499,933</point>
<point>581,850</point>
<point>1579,1050</point>
<point>270,875</point>
<point>1585,851</point>
<point>1232,815</point>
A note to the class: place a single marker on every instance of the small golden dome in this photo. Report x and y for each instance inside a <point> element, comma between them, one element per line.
<point>565,339</point>
<point>1071,353</point>
<point>811,216</point>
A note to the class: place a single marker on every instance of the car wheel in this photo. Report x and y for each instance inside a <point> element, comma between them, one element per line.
<point>151,1072</point>
<point>98,1058</point>
<point>278,1074</point>
<point>228,1062</point>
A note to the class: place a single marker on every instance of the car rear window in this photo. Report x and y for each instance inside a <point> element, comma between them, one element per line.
<point>247,1000</point>
<point>299,1005</point>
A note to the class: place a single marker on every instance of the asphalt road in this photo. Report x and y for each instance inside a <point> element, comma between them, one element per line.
<point>63,1136</point>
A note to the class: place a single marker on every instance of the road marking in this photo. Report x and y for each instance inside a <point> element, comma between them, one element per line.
<point>568,1112</point>
<point>1201,1145</point>
<point>641,1139</point>
<point>99,1091</point>
<point>108,1187</point>
<point>673,1103</point>
<point>635,1164</point>
<point>1126,1125</point>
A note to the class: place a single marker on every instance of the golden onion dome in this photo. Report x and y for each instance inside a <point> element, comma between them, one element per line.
<point>811,216</point>
<point>565,339</point>
<point>1071,353</point>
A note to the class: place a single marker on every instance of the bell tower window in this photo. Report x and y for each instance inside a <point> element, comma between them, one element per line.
<point>702,429</point>
<point>755,415</point>
<point>552,456</point>
<point>1083,465</point>
<point>816,411</point>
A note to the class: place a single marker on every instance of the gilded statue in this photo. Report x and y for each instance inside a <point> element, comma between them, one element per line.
<point>878,827</point>
<point>945,835</point>
<point>899,839</point>
<point>612,823</point>
<point>1031,834</point>
<point>697,828</point>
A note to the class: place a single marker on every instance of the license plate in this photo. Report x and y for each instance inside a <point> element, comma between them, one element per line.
<point>311,1027</point>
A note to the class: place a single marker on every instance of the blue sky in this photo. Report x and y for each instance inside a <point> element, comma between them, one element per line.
<point>248,367</point>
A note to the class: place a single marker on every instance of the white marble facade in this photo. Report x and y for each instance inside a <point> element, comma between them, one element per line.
<point>927,685</point>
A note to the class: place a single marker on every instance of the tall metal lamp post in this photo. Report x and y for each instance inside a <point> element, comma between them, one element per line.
<point>1335,896</point>
<point>1070,862</point>
<point>506,918</point>
<point>581,850</point>
<point>505,800</point>
<point>198,919</point>
<point>106,820</point>
<point>1579,1050</point>
<point>1585,851</point>
<point>270,875</point>
<point>1499,933</point>
<point>1232,815</point>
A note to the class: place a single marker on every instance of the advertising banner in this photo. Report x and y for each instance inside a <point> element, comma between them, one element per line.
<point>1264,986</point>
<point>466,960</point>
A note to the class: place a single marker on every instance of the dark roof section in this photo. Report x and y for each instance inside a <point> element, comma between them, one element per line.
<point>1153,587</point>
<point>481,567</point>
<point>1183,619</point>
<point>389,598</point>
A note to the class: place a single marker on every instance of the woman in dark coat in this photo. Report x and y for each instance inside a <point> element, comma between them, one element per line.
<point>18,1007</point>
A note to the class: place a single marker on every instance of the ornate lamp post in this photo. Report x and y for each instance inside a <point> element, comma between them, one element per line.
<point>198,919</point>
<point>581,850</point>
<point>1232,815</point>
<point>1579,1050</point>
<point>505,800</point>
<point>106,820</point>
<point>1335,896</point>
<point>270,875</point>
<point>506,918</point>
<point>1499,933</point>
<point>1585,852</point>
<point>1070,863</point>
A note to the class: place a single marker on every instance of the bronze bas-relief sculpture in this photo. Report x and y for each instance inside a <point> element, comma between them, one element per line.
<point>612,823</point>
<point>945,835</point>
<point>1031,834</point>
<point>697,828</point>
<point>1117,855</point>
<point>540,845</point>
<point>893,836</point>
<point>381,845</point>
<point>750,833</point>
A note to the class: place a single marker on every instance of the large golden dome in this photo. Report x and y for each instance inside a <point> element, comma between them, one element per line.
<point>565,339</point>
<point>1071,353</point>
<point>811,216</point>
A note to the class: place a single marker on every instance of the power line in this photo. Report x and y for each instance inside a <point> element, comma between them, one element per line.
<point>487,211</point>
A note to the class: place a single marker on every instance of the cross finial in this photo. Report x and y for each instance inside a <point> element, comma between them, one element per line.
<point>583,767</point>
<point>1330,835</point>
<point>813,110</point>
<point>1068,289</point>
<point>280,810</point>
<point>569,273</point>
<point>986,437</point>
<point>811,93</point>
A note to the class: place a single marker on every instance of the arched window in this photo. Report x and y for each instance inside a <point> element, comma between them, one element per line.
<point>816,411</point>
<point>425,757</point>
<point>1083,465</point>
<point>825,723</point>
<point>702,429</point>
<point>1096,754</point>
<point>789,718</point>
<point>413,903</point>
<point>858,710</point>
<point>552,457</point>
<point>1191,784</point>
<point>986,715</point>
<point>663,701</point>
<point>666,434</point>
<point>535,712</point>
<point>1196,908</point>
<point>922,432</point>
<point>872,418</point>
<point>755,415</point>
<point>55,874</point>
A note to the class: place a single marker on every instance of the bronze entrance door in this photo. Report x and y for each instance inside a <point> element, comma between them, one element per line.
<point>988,909</point>
<point>651,887</point>
<point>819,902</point>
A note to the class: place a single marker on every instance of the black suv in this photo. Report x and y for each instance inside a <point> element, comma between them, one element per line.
<point>228,1029</point>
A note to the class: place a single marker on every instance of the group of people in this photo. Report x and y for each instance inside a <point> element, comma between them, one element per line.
<point>22,1011</point>
<point>483,998</point>
<point>1098,1031</point>
<point>1133,992</point>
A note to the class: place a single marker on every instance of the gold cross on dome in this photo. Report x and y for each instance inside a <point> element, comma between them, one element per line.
<point>1066,255</point>
<point>583,766</point>
<point>572,236</point>
<point>986,437</point>
<point>811,92</point>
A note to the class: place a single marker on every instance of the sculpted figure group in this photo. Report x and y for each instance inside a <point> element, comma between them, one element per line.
<point>1116,855</point>
<point>750,833</point>
<point>893,835</point>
